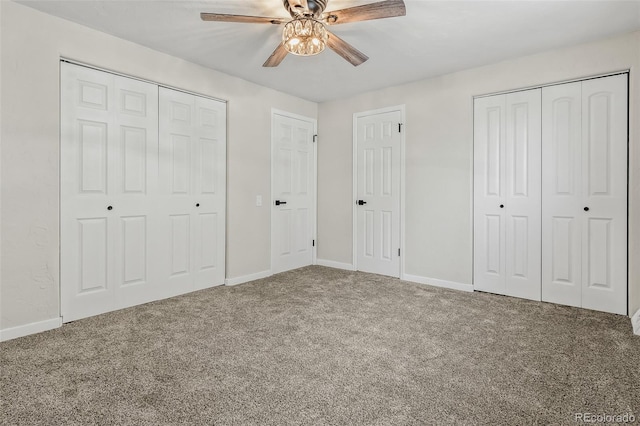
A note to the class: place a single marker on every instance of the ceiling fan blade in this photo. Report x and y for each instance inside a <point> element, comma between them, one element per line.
<point>347,51</point>
<point>221,17</point>
<point>276,57</point>
<point>366,12</point>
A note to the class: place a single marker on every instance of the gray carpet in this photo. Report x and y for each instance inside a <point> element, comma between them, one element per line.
<point>323,346</point>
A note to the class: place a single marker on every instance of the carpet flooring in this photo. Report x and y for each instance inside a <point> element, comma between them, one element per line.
<point>323,346</point>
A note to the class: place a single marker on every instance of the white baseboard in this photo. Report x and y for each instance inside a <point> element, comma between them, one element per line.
<point>438,283</point>
<point>335,265</point>
<point>635,322</point>
<point>27,329</point>
<point>247,278</point>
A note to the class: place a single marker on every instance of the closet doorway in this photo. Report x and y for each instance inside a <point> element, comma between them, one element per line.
<point>142,192</point>
<point>550,193</point>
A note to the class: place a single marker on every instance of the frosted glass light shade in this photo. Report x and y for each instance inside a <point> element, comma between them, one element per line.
<point>304,36</point>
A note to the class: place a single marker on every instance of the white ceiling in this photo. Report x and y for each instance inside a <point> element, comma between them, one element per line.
<point>436,37</point>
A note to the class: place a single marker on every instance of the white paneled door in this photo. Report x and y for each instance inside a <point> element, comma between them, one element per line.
<point>142,192</point>
<point>108,169</point>
<point>489,193</point>
<point>192,182</point>
<point>293,204</point>
<point>507,194</point>
<point>585,194</point>
<point>523,194</point>
<point>550,194</point>
<point>562,208</point>
<point>378,157</point>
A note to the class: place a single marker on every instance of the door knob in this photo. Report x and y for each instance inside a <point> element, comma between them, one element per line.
<point>278,202</point>
<point>361,202</point>
<point>586,209</point>
<point>502,206</point>
<point>197,204</point>
<point>110,208</point>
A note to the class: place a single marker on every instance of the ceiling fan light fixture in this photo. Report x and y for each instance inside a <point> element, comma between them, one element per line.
<point>305,36</point>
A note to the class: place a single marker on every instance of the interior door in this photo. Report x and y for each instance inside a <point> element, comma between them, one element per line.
<point>192,182</point>
<point>562,194</point>
<point>293,192</point>
<point>489,224</point>
<point>604,194</point>
<point>378,150</point>
<point>108,169</point>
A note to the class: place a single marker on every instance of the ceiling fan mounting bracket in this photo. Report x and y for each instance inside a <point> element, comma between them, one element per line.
<point>309,8</point>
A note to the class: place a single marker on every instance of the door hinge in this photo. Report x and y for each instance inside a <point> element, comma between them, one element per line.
<point>399,127</point>
<point>315,138</point>
<point>314,243</point>
<point>398,252</point>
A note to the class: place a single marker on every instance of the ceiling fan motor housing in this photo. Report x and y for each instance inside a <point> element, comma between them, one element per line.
<point>315,7</point>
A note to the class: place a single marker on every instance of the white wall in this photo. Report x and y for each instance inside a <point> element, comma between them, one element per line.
<point>439,153</point>
<point>31,46</point>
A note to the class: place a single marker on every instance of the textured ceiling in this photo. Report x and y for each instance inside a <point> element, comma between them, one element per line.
<point>436,37</point>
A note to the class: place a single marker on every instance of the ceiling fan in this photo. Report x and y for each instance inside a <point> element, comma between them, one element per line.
<point>306,33</point>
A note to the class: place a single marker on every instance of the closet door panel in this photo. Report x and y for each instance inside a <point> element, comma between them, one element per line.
<point>604,192</point>
<point>489,194</point>
<point>107,174</point>
<point>522,200</point>
<point>193,190</point>
<point>176,204</point>
<point>209,183</point>
<point>561,197</point>
<point>585,194</point>
<point>135,192</point>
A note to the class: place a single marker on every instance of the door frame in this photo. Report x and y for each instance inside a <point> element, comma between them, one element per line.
<point>403,118</point>
<point>314,184</point>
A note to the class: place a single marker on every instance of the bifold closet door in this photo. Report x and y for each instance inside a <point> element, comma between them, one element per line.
<point>142,214</point>
<point>108,176</point>
<point>507,194</point>
<point>192,191</point>
<point>585,194</point>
